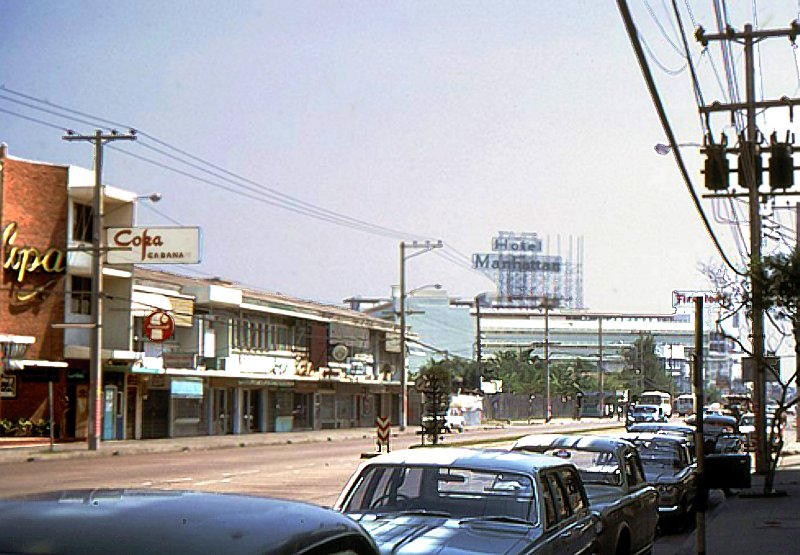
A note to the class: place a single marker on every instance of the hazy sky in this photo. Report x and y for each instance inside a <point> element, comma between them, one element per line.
<point>449,120</point>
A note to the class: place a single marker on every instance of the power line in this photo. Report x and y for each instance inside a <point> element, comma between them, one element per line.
<point>281,198</point>
<point>633,35</point>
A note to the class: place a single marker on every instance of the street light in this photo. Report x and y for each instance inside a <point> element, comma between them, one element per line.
<point>663,149</point>
<point>419,248</point>
<point>423,287</point>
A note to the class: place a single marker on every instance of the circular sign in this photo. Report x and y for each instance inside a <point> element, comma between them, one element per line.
<point>339,352</point>
<point>158,326</point>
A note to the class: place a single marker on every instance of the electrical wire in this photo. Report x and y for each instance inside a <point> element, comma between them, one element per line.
<point>633,35</point>
<point>291,203</point>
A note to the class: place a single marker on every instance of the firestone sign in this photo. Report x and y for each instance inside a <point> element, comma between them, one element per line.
<point>153,245</point>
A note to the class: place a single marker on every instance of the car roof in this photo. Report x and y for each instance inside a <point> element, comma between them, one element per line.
<point>577,442</point>
<point>484,459</point>
<point>714,419</point>
<point>168,522</point>
<point>645,406</point>
<point>648,436</point>
<point>667,426</point>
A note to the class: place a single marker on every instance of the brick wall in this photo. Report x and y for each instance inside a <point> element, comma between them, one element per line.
<point>34,197</point>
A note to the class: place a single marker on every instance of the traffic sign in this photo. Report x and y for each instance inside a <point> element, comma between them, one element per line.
<point>384,431</point>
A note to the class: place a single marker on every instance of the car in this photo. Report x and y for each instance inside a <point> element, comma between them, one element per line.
<point>168,522</point>
<point>715,425</point>
<point>454,420</point>
<point>747,428</point>
<point>615,483</point>
<point>670,428</point>
<point>668,465</point>
<point>645,413</point>
<point>450,422</point>
<point>458,500</point>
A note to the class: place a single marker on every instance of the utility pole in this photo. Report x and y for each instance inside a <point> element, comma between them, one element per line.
<point>600,384</point>
<point>95,431</point>
<point>478,350</point>
<point>750,166</point>
<point>548,415</point>
<point>421,248</point>
<point>702,491</point>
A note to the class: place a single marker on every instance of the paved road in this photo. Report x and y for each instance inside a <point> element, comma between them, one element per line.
<point>313,472</point>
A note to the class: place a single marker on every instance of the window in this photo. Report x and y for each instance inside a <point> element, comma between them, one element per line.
<point>80,295</point>
<point>560,498</point>
<point>82,224</point>
<point>633,468</point>
<point>549,506</point>
<point>572,483</point>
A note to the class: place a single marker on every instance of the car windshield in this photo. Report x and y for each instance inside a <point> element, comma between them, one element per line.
<point>645,410</point>
<point>596,467</point>
<point>654,452</point>
<point>451,492</point>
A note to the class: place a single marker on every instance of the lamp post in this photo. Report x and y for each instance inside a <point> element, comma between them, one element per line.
<point>418,248</point>
<point>663,149</point>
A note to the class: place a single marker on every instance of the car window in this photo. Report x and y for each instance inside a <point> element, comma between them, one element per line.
<point>633,470</point>
<point>549,505</point>
<point>572,483</point>
<point>459,492</point>
<point>560,498</point>
<point>596,467</point>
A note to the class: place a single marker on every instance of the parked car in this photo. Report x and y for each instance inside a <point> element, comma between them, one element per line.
<point>615,483</point>
<point>452,500</point>
<point>668,465</point>
<point>645,413</point>
<point>171,522</point>
<point>715,425</point>
<point>747,428</point>
<point>670,428</point>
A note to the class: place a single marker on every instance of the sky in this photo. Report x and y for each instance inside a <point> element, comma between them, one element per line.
<point>443,120</point>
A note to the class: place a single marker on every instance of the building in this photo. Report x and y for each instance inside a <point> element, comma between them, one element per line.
<point>245,361</point>
<point>237,360</point>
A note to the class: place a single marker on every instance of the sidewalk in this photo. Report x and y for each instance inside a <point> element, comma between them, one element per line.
<point>36,449</point>
<point>749,523</point>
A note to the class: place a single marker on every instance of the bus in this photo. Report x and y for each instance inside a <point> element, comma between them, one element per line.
<point>658,398</point>
<point>684,404</point>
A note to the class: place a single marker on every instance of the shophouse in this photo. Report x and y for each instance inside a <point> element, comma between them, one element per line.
<point>236,361</point>
<point>46,219</point>
<point>246,361</point>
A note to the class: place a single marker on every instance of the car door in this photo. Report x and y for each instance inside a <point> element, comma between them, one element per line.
<point>644,506</point>
<point>569,527</point>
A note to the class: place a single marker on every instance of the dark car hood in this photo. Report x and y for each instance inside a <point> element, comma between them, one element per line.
<point>402,534</point>
<point>164,522</point>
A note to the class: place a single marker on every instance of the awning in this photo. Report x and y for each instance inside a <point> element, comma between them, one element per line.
<point>181,310</point>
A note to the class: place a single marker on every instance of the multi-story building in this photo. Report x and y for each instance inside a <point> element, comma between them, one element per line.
<point>239,360</point>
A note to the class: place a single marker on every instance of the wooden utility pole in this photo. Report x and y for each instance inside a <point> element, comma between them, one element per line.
<point>96,352</point>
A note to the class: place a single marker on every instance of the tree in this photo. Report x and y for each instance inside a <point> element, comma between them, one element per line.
<point>780,275</point>
<point>434,381</point>
<point>643,369</point>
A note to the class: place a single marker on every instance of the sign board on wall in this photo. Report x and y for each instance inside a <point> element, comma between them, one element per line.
<point>153,245</point>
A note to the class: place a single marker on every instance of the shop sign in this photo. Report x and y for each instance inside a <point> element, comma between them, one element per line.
<point>680,298</point>
<point>153,245</point>
<point>186,388</point>
<point>159,326</point>
<point>22,260</point>
<point>179,360</point>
